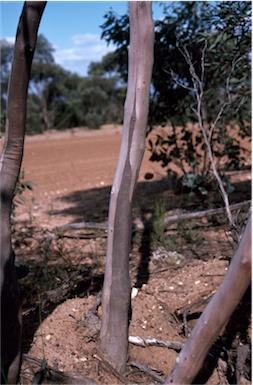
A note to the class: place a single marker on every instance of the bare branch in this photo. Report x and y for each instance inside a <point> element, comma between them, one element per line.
<point>203,62</point>
<point>229,98</point>
<point>199,92</point>
<point>172,74</point>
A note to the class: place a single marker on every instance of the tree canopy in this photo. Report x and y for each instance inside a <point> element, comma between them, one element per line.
<point>225,26</point>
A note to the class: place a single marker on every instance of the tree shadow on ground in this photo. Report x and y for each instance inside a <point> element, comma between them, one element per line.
<point>93,204</point>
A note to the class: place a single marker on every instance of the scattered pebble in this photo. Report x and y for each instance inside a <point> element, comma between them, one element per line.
<point>134,292</point>
<point>197,282</point>
<point>48,337</point>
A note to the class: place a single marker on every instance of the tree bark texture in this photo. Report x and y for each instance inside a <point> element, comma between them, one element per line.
<point>10,164</point>
<point>116,290</point>
<point>216,314</point>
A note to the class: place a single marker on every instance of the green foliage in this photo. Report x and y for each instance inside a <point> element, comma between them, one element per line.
<point>222,38</point>
<point>221,33</point>
<point>44,51</point>
<point>91,101</point>
<point>188,234</point>
<point>116,30</point>
<point>106,68</point>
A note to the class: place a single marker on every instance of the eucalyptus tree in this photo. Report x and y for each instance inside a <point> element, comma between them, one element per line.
<point>116,289</point>
<point>10,163</point>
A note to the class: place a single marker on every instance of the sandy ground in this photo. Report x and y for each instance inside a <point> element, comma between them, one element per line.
<point>72,173</point>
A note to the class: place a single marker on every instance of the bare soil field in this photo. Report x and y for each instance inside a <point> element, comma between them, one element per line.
<point>173,278</point>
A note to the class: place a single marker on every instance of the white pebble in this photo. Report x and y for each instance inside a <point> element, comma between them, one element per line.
<point>134,292</point>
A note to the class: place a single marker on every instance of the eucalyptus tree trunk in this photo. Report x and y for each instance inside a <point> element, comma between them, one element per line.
<point>216,314</point>
<point>116,290</point>
<point>10,164</point>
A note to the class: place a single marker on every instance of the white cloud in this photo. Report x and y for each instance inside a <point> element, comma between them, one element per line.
<point>10,40</point>
<point>85,49</point>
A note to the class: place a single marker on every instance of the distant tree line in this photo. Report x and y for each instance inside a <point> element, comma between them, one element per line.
<point>216,36</point>
<point>61,99</point>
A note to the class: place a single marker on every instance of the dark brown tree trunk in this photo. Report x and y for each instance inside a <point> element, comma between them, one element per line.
<point>116,290</point>
<point>10,164</point>
<point>216,314</point>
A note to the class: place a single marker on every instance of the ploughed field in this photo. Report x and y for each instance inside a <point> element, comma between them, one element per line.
<point>173,273</point>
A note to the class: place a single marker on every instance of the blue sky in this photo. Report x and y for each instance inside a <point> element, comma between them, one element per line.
<point>72,27</point>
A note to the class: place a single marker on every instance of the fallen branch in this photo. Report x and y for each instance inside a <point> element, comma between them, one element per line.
<point>136,340</point>
<point>145,369</point>
<point>205,213</point>
<point>140,225</point>
<point>115,372</point>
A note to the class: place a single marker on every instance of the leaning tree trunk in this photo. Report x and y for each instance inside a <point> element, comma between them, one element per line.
<point>216,314</point>
<point>10,164</point>
<point>116,290</point>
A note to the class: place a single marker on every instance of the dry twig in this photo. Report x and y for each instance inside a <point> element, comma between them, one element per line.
<point>115,372</point>
<point>145,369</point>
<point>136,340</point>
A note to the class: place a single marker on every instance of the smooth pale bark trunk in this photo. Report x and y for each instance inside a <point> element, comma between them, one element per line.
<point>10,164</point>
<point>216,314</point>
<point>116,290</point>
